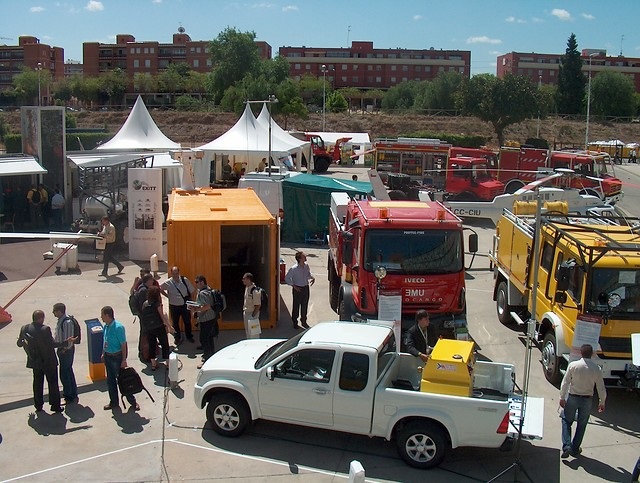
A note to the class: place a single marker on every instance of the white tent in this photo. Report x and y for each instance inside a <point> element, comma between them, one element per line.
<point>245,144</point>
<point>301,147</point>
<point>139,132</point>
<point>19,164</point>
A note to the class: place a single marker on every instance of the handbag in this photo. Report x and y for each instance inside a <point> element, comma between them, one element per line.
<point>254,327</point>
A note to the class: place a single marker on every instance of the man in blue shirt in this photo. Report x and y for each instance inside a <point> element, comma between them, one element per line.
<point>114,356</point>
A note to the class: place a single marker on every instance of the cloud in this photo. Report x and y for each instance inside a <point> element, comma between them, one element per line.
<point>483,40</point>
<point>588,16</point>
<point>537,20</point>
<point>263,5</point>
<point>512,19</point>
<point>94,6</point>
<point>36,9</point>
<point>156,1</point>
<point>418,17</point>
<point>290,8</point>
<point>561,14</point>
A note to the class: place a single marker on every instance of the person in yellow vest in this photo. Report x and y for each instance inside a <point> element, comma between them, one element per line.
<point>108,232</point>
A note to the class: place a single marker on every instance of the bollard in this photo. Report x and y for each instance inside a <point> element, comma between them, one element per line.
<point>153,264</point>
<point>173,369</point>
<point>356,472</point>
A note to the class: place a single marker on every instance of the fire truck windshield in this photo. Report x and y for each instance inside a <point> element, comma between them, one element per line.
<point>414,251</point>
<point>615,291</point>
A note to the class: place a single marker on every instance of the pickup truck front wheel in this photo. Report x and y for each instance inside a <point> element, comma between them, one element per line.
<point>228,414</point>
<point>422,445</point>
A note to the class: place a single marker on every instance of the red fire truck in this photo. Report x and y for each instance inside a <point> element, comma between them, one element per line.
<point>460,173</point>
<point>594,171</point>
<point>411,249</point>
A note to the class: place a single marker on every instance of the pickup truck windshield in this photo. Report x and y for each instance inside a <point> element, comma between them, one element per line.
<point>414,251</point>
<point>275,350</point>
<point>623,284</point>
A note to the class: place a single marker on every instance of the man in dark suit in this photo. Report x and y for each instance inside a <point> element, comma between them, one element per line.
<point>416,339</point>
<point>37,341</point>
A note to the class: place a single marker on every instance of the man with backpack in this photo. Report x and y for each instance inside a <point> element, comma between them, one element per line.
<point>65,339</point>
<point>179,290</point>
<point>207,311</point>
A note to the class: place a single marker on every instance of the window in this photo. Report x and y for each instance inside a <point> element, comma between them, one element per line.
<point>354,371</point>
<point>312,365</point>
<point>393,68</point>
<point>138,50</point>
<point>146,50</point>
<point>152,50</point>
<point>307,66</point>
<point>355,67</point>
<point>369,67</point>
<point>344,78</point>
<point>198,50</point>
<point>393,79</point>
<point>296,66</point>
<point>378,79</point>
<point>132,50</point>
<point>354,79</point>
<point>196,63</point>
<point>147,63</point>
<point>344,66</point>
<point>405,68</point>
<point>136,63</point>
<point>547,257</point>
<point>418,68</point>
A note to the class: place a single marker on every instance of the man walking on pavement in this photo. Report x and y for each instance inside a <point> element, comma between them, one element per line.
<point>252,302</point>
<point>37,341</point>
<point>300,278</point>
<point>66,350</point>
<point>576,392</point>
<point>179,290</point>
<point>108,232</point>
<point>206,314</point>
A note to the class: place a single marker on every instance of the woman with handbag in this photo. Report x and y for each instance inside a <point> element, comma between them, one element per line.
<point>155,325</point>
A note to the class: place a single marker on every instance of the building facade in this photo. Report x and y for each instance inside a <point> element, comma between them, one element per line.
<point>32,54</point>
<point>364,67</point>
<point>151,57</point>
<point>544,68</point>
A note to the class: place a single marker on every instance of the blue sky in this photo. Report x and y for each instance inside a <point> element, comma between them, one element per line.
<point>487,28</point>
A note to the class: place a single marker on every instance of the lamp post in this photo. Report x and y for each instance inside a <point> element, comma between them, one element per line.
<point>39,69</point>
<point>271,100</point>
<point>586,134</point>
<point>323,69</point>
<point>539,86</point>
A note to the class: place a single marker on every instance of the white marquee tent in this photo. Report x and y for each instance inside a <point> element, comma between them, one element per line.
<point>302,147</point>
<point>139,132</point>
<point>246,144</point>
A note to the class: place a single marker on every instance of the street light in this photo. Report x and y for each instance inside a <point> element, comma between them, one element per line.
<point>271,100</point>
<point>586,134</point>
<point>323,69</point>
<point>39,68</point>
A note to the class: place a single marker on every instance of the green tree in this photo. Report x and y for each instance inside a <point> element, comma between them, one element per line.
<point>144,83</point>
<point>440,93</point>
<point>86,89</point>
<point>571,80</point>
<point>61,90</point>
<point>311,90</point>
<point>26,84</point>
<point>233,54</point>
<point>113,86</point>
<point>501,102</point>
<point>289,102</point>
<point>612,94</point>
<point>336,102</point>
<point>400,97</point>
<point>187,103</point>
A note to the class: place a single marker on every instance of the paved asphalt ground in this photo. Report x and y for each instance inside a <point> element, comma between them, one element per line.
<point>169,440</point>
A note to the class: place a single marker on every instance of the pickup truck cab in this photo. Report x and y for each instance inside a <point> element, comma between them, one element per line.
<point>349,377</point>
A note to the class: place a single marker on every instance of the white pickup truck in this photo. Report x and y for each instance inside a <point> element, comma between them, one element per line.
<point>349,377</point>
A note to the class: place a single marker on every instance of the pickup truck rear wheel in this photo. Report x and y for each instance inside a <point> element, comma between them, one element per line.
<point>422,445</point>
<point>502,307</point>
<point>228,414</point>
<point>550,359</point>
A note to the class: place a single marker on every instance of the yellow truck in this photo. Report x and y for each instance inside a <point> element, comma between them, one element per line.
<point>588,287</point>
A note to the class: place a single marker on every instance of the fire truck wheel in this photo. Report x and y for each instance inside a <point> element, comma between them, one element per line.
<point>502,308</point>
<point>342,312</point>
<point>334,289</point>
<point>422,445</point>
<point>550,359</point>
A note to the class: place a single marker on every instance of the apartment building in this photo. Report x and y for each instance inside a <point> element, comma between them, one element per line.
<point>30,53</point>
<point>364,67</point>
<point>150,57</point>
<point>544,68</point>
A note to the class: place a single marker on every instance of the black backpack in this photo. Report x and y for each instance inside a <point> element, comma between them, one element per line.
<point>129,383</point>
<point>77,333</point>
<point>35,196</point>
<point>135,303</point>
<point>264,302</point>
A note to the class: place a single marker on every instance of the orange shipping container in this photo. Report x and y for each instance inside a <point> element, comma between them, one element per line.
<point>221,234</point>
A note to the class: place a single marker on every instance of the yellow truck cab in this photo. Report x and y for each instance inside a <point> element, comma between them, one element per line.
<point>589,271</point>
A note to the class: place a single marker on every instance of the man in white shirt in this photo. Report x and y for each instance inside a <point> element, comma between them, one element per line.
<point>57,208</point>
<point>576,392</point>
<point>251,304</point>
<point>300,278</point>
<point>179,290</point>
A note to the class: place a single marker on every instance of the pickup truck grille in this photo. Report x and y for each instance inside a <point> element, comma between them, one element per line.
<point>615,344</point>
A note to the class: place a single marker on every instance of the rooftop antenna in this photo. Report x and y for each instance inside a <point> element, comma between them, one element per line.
<point>621,39</point>
<point>348,32</point>
<point>181,29</point>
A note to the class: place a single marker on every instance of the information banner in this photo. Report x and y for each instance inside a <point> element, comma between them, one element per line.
<point>390,308</point>
<point>145,212</point>
<point>587,332</point>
